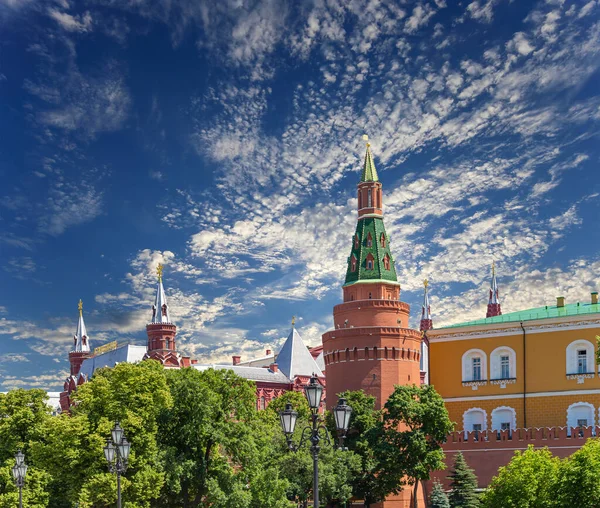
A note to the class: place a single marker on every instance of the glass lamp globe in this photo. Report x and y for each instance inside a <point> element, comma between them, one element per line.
<point>288,419</point>
<point>117,433</point>
<point>342,413</point>
<point>314,393</point>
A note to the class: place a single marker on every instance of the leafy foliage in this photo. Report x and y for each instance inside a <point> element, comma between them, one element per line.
<point>438,498</point>
<point>463,484</point>
<point>527,481</point>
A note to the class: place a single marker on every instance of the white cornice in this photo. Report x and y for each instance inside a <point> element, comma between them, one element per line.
<point>508,329</point>
<point>372,281</point>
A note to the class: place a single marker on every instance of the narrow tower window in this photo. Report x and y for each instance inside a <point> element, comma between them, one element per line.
<point>386,262</point>
<point>356,241</point>
<point>369,240</point>
<point>581,361</point>
<point>382,240</point>
<point>476,369</point>
<point>504,367</point>
<point>369,199</point>
<point>353,263</point>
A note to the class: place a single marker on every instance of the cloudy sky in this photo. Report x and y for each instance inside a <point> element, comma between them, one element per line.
<point>224,139</point>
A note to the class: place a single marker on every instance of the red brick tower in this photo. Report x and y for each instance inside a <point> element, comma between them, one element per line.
<point>371,347</point>
<point>493,308</point>
<point>81,350</point>
<point>161,332</point>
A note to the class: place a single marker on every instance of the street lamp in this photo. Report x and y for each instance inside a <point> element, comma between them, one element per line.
<point>19,472</point>
<point>116,453</point>
<point>314,393</point>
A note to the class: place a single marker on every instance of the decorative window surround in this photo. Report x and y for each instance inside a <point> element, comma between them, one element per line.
<point>475,384</point>
<point>503,382</point>
<point>581,377</point>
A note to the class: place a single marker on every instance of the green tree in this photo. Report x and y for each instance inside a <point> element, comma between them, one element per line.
<point>463,484</point>
<point>409,437</point>
<point>215,443</point>
<point>527,481</point>
<point>35,492</point>
<point>438,498</point>
<point>366,480</point>
<point>577,477</point>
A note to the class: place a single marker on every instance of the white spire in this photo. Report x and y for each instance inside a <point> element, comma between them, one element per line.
<point>494,288</point>
<point>295,359</point>
<point>82,343</point>
<point>160,309</point>
<point>426,309</point>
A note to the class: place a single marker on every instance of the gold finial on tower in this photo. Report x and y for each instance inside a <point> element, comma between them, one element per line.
<point>493,267</point>
<point>80,307</point>
<point>293,321</point>
<point>366,138</point>
<point>159,271</point>
<point>425,283</point>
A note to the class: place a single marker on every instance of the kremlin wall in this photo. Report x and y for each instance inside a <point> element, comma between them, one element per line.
<point>508,380</point>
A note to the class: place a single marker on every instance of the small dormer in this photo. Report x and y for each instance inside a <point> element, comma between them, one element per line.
<point>370,262</point>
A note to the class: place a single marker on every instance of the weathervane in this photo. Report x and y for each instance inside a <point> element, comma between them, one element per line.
<point>80,307</point>
<point>425,283</point>
<point>366,138</point>
<point>159,271</point>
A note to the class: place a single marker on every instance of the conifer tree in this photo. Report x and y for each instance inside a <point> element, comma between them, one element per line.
<point>438,498</point>
<point>463,485</point>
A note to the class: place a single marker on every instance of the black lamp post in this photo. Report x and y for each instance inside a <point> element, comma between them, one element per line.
<point>116,453</point>
<point>314,393</point>
<point>19,472</point>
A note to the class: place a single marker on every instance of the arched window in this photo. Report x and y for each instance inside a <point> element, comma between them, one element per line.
<point>370,296</point>
<point>262,403</point>
<point>353,263</point>
<point>369,240</point>
<point>369,262</point>
<point>386,262</point>
<point>382,240</point>
<point>347,356</point>
<point>474,365</point>
<point>580,357</point>
<point>504,418</point>
<point>164,309</point>
<point>359,199</point>
<point>503,363</point>
<point>369,198</point>
<point>356,241</point>
<point>474,419</point>
<point>580,414</point>
<point>366,353</point>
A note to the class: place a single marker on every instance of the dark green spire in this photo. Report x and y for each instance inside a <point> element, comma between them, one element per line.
<point>369,173</point>
<point>371,250</point>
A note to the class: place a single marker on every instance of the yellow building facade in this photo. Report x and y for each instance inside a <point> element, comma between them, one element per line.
<point>528,369</point>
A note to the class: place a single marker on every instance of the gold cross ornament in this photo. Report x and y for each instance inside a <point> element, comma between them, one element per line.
<point>80,307</point>
<point>159,271</point>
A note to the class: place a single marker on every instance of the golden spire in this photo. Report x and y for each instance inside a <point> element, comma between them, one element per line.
<point>159,271</point>
<point>425,283</point>
<point>366,138</point>
<point>493,267</point>
<point>293,321</point>
<point>80,307</point>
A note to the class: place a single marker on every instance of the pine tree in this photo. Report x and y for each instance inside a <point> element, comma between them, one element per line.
<point>438,498</point>
<point>463,485</point>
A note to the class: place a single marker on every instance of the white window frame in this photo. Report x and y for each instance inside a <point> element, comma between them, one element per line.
<point>499,417</point>
<point>572,356</point>
<point>467,364</point>
<point>496,362</point>
<point>469,419</point>
<point>574,414</point>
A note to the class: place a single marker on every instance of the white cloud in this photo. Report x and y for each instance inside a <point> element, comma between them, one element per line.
<point>72,23</point>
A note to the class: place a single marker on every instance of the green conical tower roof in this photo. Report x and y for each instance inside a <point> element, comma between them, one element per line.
<point>369,173</point>
<point>370,259</point>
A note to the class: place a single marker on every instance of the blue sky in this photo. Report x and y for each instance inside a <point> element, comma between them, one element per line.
<point>224,139</point>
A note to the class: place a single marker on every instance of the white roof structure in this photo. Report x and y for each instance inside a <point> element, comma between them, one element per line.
<point>251,373</point>
<point>126,353</point>
<point>82,342</point>
<point>160,309</point>
<point>295,359</point>
<point>320,361</point>
<point>426,309</point>
<point>494,288</point>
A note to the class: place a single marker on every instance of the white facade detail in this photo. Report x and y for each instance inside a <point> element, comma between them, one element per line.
<point>425,360</point>
<point>503,363</point>
<point>474,365</point>
<point>504,416</point>
<point>474,418</point>
<point>580,357</point>
<point>580,414</point>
